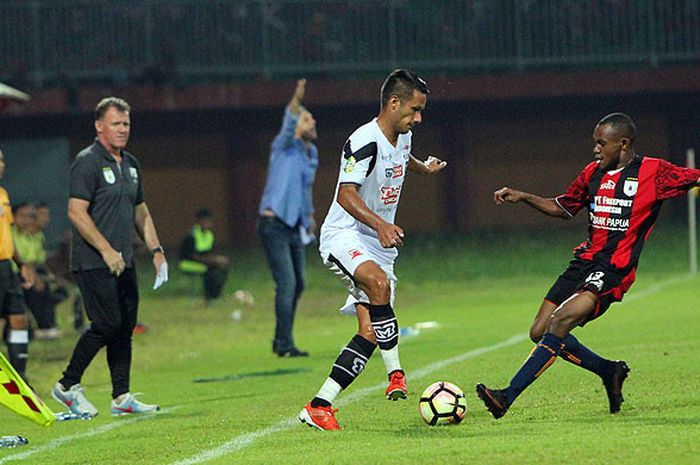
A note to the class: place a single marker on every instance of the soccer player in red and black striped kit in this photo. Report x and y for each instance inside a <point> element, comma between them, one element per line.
<point>623,192</point>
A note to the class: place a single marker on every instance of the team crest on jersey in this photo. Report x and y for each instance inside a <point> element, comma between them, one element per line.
<point>608,185</point>
<point>134,174</point>
<point>108,174</point>
<point>349,164</point>
<point>630,187</point>
<point>388,172</point>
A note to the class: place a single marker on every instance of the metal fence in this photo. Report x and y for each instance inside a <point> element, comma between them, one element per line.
<point>154,40</point>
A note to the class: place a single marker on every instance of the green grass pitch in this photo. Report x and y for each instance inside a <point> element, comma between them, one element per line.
<point>483,292</point>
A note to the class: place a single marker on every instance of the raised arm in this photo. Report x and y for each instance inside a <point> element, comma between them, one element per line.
<point>549,207</point>
<point>349,198</point>
<point>297,97</point>
<point>285,137</point>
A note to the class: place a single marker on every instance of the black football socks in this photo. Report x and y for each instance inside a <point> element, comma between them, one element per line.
<point>578,354</point>
<point>539,360</point>
<point>348,366</point>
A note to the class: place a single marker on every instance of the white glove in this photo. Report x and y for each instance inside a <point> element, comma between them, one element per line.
<point>162,276</point>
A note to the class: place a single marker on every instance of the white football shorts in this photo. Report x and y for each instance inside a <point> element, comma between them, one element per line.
<point>344,250</point>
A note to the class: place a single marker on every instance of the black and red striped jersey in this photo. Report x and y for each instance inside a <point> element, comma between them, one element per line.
<point>623,205</point>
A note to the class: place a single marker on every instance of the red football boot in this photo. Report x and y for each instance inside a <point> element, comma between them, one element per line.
<point>397,386</point>
<point>322,418</point>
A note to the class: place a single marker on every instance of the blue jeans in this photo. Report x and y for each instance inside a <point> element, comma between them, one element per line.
<point>285,255</point>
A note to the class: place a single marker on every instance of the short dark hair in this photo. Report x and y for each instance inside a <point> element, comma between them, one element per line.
<point>402,82</point>
<point>23,204</point>
<point>621,124</point>
<point>203,213</point>
<point>107,102</point>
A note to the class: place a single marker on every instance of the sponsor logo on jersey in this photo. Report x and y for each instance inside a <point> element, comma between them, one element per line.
<point>354,253</point>
<point>630,187</point>
<point>614,224</point>
<point>108,174</point>
<point>390,194</point>
<point>610,204</point>
<point>349,164</point>
<point>134,174</point>
<point>608,185</point>
<point>397,171</point>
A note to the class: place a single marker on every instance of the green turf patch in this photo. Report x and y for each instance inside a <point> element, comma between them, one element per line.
<point>481,290</point>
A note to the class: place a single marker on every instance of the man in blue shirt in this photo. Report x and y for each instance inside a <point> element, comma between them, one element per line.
<point>286,214</point>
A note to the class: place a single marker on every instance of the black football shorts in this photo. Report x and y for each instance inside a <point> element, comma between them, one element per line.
<point>583,275</point>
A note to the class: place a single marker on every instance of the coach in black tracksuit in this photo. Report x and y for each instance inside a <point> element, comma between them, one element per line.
<point>106,202</point>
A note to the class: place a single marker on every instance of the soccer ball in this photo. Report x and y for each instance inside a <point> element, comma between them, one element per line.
<point>442,403</point>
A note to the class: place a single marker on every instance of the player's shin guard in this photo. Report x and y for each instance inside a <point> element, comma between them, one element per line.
<point>386,330</point>
<point>539,360</point>
<point>578,354</point>
<point>348,366</point>
<point>18,348</point>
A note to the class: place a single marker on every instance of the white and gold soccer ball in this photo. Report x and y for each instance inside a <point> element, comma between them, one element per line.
<point>442,403</point>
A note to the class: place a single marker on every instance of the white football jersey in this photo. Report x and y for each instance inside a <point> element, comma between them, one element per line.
<point>370,161</point>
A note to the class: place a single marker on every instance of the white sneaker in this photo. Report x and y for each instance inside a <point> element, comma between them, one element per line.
<point>74,399</point>
<point>130,404</point>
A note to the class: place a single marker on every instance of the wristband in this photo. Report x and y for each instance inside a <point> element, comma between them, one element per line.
<point>158,249</point>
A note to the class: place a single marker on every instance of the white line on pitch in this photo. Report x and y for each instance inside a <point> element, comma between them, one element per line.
<point>656,288</point>
<point>58,442</point>
<point>239,442</point>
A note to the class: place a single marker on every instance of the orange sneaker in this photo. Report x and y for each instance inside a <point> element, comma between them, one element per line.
<point>397,386</point>
<point>322,418</point>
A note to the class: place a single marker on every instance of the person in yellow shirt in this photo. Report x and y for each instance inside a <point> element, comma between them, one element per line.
<point>12,307</point>
<point>29,241</point>
<point>197,256</point>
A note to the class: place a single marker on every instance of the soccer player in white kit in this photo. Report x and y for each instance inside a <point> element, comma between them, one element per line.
<point>359,238</point>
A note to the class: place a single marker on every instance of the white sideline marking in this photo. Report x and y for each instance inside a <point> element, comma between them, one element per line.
<point>58,442</point>
<point>656,288</point>
<point>239,442</point>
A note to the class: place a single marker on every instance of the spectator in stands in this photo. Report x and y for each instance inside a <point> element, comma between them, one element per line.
<point>197,256</point>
